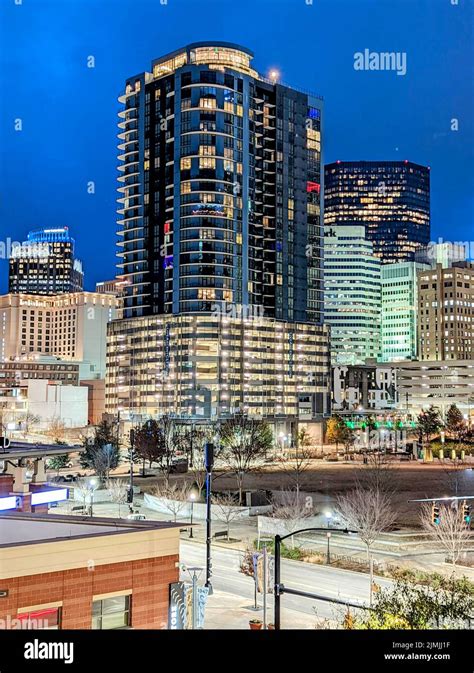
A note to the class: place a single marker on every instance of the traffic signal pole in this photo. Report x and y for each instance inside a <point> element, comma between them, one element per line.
<point>279,589</point>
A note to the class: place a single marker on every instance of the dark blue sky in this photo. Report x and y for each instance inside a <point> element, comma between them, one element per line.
<point>69,111</point>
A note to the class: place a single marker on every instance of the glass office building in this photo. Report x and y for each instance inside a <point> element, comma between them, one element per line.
<point>400,311</point>
<point>351,295</point>
<point>391,199</point>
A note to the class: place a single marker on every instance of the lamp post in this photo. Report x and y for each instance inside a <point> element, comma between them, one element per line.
<point>328,515</point>
<point>328,554</point>
<point>92,487</point>
<point>209,463</point>
<point>192,498</point>
<point>130,485</point>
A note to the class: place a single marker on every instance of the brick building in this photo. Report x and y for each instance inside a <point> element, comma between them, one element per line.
<point>66,572</point>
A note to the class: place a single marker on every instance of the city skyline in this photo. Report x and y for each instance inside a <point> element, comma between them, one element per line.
<point>411,131</point>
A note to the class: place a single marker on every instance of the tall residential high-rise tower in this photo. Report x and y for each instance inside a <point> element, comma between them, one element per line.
<point>220,188</point>
<point>391,199</point>
<point>220,243</point>
<point>45,264</point>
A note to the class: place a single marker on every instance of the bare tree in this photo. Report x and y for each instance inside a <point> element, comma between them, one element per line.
<point>28,420</point>
<point>198,470</point>
<point>369,512</point>
<point>56,430</point>
<point>451,532</point>
<point>245,443</point>
<point>454,474</point>
<point>118,491</point>
<point>104,459</point>
<point>174,496</point>
<point>83,489</point>
<point>292,510</point>
<point>225,508</point>
<point>300,461</point>
<point>376,474</point>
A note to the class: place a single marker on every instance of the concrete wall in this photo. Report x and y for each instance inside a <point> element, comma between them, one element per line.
<point>67,404</point>
<point>199,509</point>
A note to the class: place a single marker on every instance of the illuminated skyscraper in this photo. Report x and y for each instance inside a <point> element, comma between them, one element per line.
<point>352,299</point>
<point>391,199</point>
<point>45,264</point>
<point>220,188</point>
<point>220,243</point>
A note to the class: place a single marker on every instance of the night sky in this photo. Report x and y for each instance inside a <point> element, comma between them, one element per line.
<point>68,111</point>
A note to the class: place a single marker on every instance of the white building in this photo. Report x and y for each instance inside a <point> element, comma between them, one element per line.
<point>48,401</point>
<point>399,311</point>
<point>352,295</point>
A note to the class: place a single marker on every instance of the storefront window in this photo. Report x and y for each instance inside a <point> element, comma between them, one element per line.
<point>111,613</point>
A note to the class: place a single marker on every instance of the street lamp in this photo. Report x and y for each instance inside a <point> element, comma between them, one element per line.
<point>328,515</point>
<point>92,487</point>
<point>328,555</point>
<point>192,498</point>
<point>209,464</point>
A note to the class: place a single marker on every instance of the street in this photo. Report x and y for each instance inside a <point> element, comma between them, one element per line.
<point>330,582</point>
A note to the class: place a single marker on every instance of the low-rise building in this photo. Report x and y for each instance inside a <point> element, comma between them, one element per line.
<point>41,402</point>
<point>437,383</point>
<point>364,388</point>
<point>60,572</point>
<point>210,367</point>
<point>36,366</point>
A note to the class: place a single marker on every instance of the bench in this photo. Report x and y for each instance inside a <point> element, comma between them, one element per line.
<point>78,508</point>
<point>220,533</point>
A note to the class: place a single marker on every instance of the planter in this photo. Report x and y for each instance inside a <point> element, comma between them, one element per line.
<point>271,627</point>
<point>255,624</point>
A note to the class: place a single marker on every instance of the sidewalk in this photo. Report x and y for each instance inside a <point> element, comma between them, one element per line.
<point>226,611</point>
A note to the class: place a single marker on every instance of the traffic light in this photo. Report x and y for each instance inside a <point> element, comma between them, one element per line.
<point>435,514</point>
<point>466,513</point>
<point>129,495</point>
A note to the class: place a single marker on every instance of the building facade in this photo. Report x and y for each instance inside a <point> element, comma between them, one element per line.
<point>70,326</point>
<point>35,366</point>
<point>220,189</point>
<point>364,388</point>
<point>103,574</point>
<point>352,295</point>
<point>444,253</point>
<point>212,367</point>
<point>439,383</point>
<point>220,243</point>
<point>446,312</point>
<point>391,199</point>
<point>399,325</point>
<point>45,264</point>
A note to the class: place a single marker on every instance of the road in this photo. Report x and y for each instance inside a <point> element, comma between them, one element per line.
<point>330,582</point>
